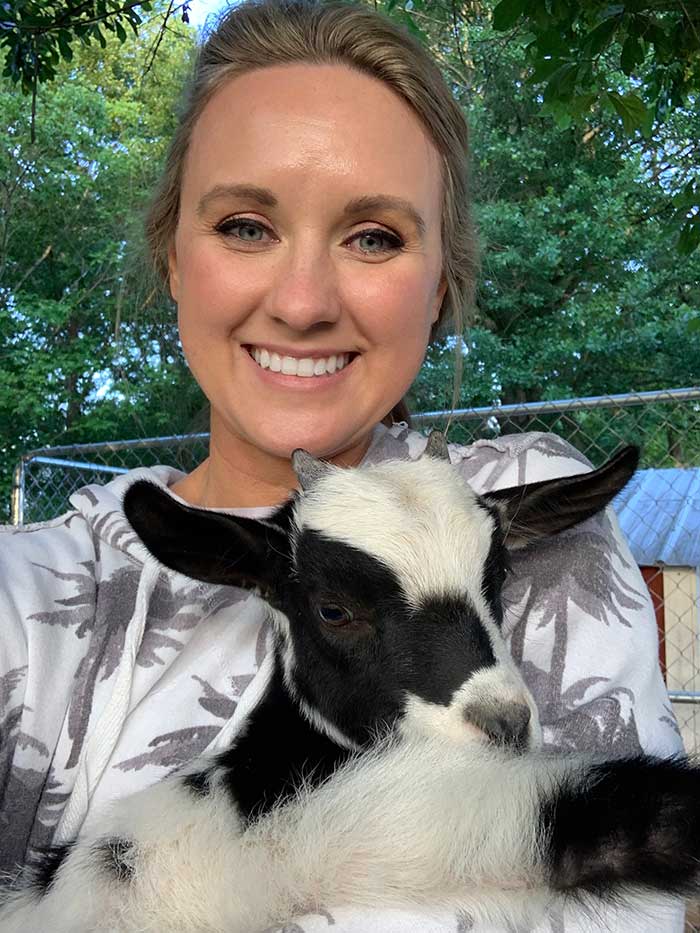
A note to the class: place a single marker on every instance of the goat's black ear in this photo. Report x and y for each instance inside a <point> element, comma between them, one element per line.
<point>210,546</point>
<point>538,510</point>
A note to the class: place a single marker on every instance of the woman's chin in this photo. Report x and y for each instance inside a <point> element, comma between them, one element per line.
<point>321,438</point>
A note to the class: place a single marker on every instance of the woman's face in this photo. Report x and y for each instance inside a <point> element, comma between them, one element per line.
<point>309,229</point>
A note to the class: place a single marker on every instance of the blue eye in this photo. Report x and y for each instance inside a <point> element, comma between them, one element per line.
<point>334,615</point>
<point>393,241</point>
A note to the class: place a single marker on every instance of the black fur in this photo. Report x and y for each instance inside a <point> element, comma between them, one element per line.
<point>117,856</point>
<point>278,749</point>
<point>391,649</point>
<point>45,864</point>
<point>496,566</point>
<point>199,782</point>
<point>634,822</point>
<point>544,508</point>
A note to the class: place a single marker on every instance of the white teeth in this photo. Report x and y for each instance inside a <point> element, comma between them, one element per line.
<point>307,366</point>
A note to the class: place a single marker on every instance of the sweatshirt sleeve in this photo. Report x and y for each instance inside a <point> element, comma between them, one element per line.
<point>46,606</point>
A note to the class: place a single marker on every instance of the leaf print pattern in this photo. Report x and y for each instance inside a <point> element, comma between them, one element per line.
<point>8,684</point>
<point>495,457</point>
<point>91,603</point>
<point>79,611</point>
<point>578,567</point>
<point>217,703</point>
<point>51,805</point>
<point>172,749</point>
<point>10,718</point>
<point>21,792</point>
<point>105,616</point>
<point>20,784</point>
<point>670,720</point>
<point>292,927</point>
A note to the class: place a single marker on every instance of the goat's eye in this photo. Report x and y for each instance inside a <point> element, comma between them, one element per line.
<point>334,615</point>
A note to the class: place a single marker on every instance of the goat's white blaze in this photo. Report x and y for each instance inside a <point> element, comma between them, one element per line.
<point>426,524</point>
<point>417,517</point>
<point>289,664</point>
<point>492,688</point>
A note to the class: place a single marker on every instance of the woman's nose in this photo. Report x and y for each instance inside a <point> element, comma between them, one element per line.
<point>304,292</point>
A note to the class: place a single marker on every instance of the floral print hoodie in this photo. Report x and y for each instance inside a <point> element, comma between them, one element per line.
<point>115,670</point>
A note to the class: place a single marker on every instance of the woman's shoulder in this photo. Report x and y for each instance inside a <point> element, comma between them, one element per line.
<point>95,520</point>
<point>67,534</point>
<point>503,461</point>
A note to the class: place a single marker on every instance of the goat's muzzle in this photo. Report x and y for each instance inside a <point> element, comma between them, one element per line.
<point>507,726</point>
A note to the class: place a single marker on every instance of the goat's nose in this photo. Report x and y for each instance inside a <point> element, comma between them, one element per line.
<point>508,726</point>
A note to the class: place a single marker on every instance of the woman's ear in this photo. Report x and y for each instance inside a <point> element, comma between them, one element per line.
<point>439,298</point>
<point>173,278</point>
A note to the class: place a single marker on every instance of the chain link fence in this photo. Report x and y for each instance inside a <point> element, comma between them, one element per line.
<point>661,516</point>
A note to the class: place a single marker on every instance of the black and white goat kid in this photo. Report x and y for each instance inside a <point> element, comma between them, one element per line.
<point>393,757</point>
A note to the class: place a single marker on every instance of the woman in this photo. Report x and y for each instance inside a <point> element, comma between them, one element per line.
<point>312,225</point>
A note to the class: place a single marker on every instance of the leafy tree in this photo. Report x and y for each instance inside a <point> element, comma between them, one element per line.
<point>40,34</point>
<point>581,291</point>
<point>89,347</point>
<point>575,50</point>
<point>572,50</point>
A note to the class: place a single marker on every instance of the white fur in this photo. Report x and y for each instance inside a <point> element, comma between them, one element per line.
<point>411,823</point>
<point>491,688</point>
<point>419,518</point>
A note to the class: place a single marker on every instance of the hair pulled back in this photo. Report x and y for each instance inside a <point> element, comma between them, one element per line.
<point>261,33</point>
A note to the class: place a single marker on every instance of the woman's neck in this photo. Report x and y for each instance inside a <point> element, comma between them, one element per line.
<point>238,475</point>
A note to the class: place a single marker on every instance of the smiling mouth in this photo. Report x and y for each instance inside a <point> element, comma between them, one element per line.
<point>306,366</point>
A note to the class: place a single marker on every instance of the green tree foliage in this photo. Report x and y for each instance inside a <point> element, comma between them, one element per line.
<point>88,345</point>
<point>577,50</point>
<point>581,293</point>
<point>39,34</point>
<point>573,49</point>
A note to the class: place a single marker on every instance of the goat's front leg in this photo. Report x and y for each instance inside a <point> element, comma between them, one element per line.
<point>165,859</point>
<point>503,838</point>
<point>420,822</point>
<point>408,823</point>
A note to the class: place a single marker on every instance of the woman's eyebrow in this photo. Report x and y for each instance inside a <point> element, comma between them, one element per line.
<point>367,202</point>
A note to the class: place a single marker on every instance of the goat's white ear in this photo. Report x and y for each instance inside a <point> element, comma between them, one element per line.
<point>539,510</point>
<point>308,468</point>
<point>436,447</point>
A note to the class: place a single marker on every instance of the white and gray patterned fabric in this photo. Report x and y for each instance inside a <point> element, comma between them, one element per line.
<point>578,619</point>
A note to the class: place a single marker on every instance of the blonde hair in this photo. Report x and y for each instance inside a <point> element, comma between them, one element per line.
<point>260,33</point>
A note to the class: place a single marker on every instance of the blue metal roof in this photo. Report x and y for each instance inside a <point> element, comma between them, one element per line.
<point>659,511</point>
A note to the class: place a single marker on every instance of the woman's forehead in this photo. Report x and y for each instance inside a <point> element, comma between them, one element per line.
<point>309,126</point>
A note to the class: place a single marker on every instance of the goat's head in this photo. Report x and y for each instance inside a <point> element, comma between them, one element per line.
<point>385,584</point>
